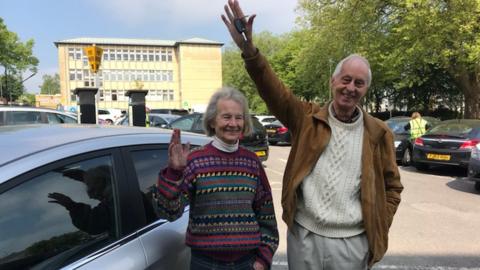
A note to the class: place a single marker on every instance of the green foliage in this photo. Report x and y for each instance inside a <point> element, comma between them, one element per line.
<point>27,99</point>
<point>15,57</point>
<point>50,85</point>
<point>12,87</point>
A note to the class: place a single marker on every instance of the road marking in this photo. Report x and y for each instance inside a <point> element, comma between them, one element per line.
<point>274,171</point>
<point>403,267</point>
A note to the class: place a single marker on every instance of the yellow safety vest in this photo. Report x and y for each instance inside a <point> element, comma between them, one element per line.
<point>417,128</point>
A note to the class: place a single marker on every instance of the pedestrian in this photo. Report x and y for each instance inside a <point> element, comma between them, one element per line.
<point>417,126</point>
<point>341,185</point>
<point>232,221</point>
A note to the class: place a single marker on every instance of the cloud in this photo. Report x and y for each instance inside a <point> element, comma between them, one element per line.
<point>273,15</point>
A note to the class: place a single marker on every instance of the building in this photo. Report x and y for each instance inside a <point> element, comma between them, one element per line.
<point>177,74</point>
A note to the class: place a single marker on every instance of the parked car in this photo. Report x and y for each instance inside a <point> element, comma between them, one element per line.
<point>110,116</point>
<point>403,145</point>
<point>160,120</point>
<point>257,142</point>
<point>266,119</point>
<point>84,197</point>
<point>278,133</point>
<point>170,111</point>
<point>449,143</point>
<point>474,167</point>
<point>18,115</point>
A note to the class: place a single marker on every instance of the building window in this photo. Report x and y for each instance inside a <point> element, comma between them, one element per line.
<point>71,53</point>
<point>169,56</point>
<point>125,55</point>
<point>138,55</point>
<point>114,95</point>
<point>170,75</point>
<point>112,55</point>
<point>144,56</point>
<point>78,54</point>
<point>164,55</point>
<point>132,55</point>
<point>71,73</point>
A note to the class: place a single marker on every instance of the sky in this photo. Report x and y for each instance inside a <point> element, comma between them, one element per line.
<point>48,21</point>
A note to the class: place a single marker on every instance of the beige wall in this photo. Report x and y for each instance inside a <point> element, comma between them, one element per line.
<point>197,73</point>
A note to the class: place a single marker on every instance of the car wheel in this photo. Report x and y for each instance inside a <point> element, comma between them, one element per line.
<point>109,122</point>
<point>407,157</point>
<point>421,166</point>
<point>477,186</point>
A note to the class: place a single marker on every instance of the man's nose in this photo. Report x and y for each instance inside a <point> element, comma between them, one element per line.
<point>351,86</point>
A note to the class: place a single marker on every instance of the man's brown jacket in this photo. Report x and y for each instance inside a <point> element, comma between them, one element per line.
<point>380,180</point>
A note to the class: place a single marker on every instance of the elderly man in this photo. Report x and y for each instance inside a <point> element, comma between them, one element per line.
<point>341,186</point>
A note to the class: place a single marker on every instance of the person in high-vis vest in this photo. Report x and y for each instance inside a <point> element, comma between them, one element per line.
<point>417,126</point>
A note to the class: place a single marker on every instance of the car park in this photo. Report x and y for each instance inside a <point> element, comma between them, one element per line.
<point>18,115</point>
<point>257,142</point>
<point>403,145</point>
<point>474,167</point>
<point>84,197</point>
<point>160,120</point>
<point>278,133</point>
<point>449,143</point>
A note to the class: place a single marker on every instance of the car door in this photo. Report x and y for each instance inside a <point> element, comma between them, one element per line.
<point>70,214</point>
<point>163,241</point>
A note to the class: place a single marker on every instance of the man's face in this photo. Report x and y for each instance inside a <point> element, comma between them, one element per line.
<point>350,85</point>
<point>229,122</point>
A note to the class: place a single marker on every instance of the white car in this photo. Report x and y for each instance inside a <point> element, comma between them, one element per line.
<point>110,116</point>
<point>265,119</point>
<point>84,197</point>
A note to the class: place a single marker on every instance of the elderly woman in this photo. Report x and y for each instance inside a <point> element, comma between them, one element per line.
<point>232,220</point>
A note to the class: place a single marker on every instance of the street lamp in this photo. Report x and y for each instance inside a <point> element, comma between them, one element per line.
<point>10,93</point>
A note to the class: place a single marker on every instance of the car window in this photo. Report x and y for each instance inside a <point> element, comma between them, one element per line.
<point>25,117</point>
<point>57,217</point>
<point>458,129</point>
<point>147,164</point>
<point>56,118</point>
<point>157,121</point>
<point>397,126</point>
<point>184,123</point>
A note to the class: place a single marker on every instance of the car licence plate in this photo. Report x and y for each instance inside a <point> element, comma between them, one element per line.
<point>260,153</point>
<point>271,131</point>
<point>438,156</point>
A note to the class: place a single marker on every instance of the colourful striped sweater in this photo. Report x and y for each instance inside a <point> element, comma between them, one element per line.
<point>231,208</point>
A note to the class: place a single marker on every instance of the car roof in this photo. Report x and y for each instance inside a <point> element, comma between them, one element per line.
<point>31,109</point>
<point>470,122</point>
<point>20,141</point>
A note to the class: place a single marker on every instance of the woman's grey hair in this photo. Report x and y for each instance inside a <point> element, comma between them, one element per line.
<point>339,66</point>
<point>211,112</point>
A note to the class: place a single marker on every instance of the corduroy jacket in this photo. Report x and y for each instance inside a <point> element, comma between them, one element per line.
<point>380,180</point>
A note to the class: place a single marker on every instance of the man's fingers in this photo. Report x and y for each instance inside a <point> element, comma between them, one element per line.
<point>229,14</point>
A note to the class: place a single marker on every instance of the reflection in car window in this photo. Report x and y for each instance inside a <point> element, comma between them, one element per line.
<point>147,164</point>
<point>458,129</point>
<point>57,217</point>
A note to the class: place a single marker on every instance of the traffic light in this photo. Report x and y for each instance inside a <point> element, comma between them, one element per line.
<point>94,55</point>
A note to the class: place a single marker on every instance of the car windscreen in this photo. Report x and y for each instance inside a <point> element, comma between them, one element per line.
<point>397,126</point>
<point>452,129</point>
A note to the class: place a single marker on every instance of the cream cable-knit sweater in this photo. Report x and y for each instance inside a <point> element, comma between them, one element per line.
<point>329,204</point>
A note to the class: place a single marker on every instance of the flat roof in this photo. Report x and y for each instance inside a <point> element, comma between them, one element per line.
<point>135,42</point>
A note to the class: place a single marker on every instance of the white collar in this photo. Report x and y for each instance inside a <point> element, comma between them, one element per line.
<point>223,146</point>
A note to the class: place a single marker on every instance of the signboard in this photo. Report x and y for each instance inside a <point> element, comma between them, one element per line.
<point>94,55</point>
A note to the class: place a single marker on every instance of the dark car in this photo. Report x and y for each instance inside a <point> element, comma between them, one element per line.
<point>84,197</point>
<point>449,143</point>
<point>170,111</point>
<point>474,167</point>
<point>277,133</point>
<point>403,145</point>
<point>156,120</point>
<point>257,142</point>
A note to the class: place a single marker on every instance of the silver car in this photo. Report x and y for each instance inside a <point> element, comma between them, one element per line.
<point>84,197</point>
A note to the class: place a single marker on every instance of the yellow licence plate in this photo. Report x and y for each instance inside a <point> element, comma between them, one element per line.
<point>438,157</point>
<point>271,130</point>
<point>260,153</point>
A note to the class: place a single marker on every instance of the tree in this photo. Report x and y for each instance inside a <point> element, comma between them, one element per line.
<point>234,74</point>
<point>50,85</point>
<point>412,46</point>
<point>15,87</point>
<point>15,58</point>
